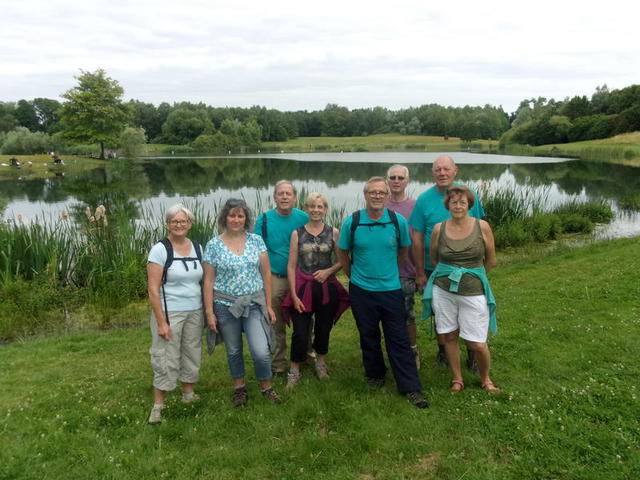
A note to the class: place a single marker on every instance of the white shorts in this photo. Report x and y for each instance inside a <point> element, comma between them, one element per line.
<point>470,314</point>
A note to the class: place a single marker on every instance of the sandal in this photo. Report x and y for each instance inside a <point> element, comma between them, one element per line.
<point>456,386</point>
<point>490,387</point>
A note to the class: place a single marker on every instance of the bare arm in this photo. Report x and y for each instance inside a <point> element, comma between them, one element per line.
<point>433,246</point>
<point>265,269</point>
<point>489,246</point>
<point>403,255</point>
<point>291,272</point>
<point>208,294</point>
<point>417,239</point>
<point>154,279</point>
<point>345,261</point>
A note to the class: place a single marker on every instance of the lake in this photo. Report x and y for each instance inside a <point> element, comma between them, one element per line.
<point>155,183</point>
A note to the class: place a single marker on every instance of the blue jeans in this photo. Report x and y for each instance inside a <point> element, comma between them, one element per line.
<point>232,328</point>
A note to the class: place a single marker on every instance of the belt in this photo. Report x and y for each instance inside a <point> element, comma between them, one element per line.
<point>278,275</point>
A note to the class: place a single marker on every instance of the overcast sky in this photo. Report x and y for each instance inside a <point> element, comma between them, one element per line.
<point>293,55</point>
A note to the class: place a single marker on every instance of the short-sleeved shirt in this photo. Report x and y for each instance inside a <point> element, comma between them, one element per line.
<point>182,290</point>
<point>236,274</point>
<point>375,251</point>
<point>429,211</point>
<point>404,208</point>
<point>279,229</point>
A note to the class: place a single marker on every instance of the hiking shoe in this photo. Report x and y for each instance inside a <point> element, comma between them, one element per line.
<point>441,359</point>
<point>279,373</point>
<point>292,379</point>
<point>375,383</point>
<point>321,371</point>
<point>155,417</point>
<point>417,400</point>
<point>416,356</point>
<point>194,397</point>
<point>271,395</point>
<point>240,397</point>
<point>472,365</point>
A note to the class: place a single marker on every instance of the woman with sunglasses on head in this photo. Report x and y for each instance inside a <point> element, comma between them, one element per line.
<point>174,273</point>
<point>237,298</point>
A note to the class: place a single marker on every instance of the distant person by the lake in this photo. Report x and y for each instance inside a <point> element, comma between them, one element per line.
<point>400,202</point>
<point>14,162</point>
<point>275,227</point>
<point>462,250</point>
<point>237,298</point>
<point>372,242</point>
<point>174,273</point>
<point>428,211</point>
<point>316,298</point>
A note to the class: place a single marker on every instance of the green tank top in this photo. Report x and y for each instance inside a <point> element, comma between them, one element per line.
<point>466,252</point>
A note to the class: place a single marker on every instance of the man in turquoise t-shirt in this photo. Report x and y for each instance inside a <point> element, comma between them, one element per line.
<point>275,227</point>
<point>428,211</point>
<point>376,245</point>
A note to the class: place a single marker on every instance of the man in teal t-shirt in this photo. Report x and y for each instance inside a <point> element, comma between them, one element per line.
<point>376,297</point>
<point>429,211</point>
<point>275,227</point>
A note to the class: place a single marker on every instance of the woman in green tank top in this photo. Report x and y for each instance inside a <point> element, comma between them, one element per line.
<point>463,250</point>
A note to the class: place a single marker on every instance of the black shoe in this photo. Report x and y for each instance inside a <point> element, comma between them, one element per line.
<point>375,383</point>
<point>417,400</point>
<point>441,359</point>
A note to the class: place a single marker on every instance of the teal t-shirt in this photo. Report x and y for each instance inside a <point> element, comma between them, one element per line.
<point>429,211</point>
<point>374,251</point>
<point>279,230</point>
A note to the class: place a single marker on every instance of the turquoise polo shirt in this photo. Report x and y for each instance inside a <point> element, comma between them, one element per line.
<point>279,229</point>
<point>429,211</point>
<point>374,251</point>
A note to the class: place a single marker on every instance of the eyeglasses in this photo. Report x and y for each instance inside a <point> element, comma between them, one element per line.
<point>179,222</point>
<point>396,177</point>
<point>377,193</point>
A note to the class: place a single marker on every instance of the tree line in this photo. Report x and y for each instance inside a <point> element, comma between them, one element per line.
<point>94,112</point>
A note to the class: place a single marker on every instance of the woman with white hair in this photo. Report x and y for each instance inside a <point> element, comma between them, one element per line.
<point>174,273</point>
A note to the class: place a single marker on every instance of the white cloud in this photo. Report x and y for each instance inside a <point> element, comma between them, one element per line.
<point>300,55</point>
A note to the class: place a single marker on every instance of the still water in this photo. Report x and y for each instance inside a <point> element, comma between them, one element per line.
<point>154,183</point>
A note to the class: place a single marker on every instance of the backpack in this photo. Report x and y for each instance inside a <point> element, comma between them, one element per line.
<point>170,258</point>
<point>355,223</point>
<point>263,230</point>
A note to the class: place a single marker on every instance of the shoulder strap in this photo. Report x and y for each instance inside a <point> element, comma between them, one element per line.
<point>264,226</point>
<point>394,220</point>
<point>198,248</point>
<point>355,221</point>
<point>167,245</point>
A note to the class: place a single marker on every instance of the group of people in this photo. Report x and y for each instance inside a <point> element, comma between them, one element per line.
<point>257,280</point>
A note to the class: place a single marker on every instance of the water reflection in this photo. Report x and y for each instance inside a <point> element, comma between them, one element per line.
<point>155,183</point>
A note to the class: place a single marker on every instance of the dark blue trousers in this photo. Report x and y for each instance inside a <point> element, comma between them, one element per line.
<point>370,309</point>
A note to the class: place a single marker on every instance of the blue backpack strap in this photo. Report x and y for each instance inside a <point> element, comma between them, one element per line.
<point>355,221</point>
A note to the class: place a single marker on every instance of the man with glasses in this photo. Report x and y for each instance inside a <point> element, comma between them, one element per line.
<point>428,211</point>
<point>377,240</point>
<point>400,202</point>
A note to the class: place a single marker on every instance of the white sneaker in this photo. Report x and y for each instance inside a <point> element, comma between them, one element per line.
<point>155,417</point>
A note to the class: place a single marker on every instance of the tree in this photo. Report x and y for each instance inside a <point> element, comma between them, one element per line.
<point>94,111</point>
<point>47,112</point>
<point>26,114</point>
<point>132,141</point>
<point>185,124</point>
<point>7,118</point>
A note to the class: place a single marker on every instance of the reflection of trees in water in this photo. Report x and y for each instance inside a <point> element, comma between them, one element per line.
<point>198,176</point>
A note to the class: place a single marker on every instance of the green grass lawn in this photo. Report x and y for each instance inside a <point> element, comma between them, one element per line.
<point>43,167</point>
<point>624,148</point>
<point>566,355</point>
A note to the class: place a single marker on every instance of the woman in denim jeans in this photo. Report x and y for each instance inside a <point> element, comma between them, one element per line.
<point>237,297</point>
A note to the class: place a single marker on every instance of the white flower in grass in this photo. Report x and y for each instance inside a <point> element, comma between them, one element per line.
<point>64,215</point>
<point>87,212</point>
<point>20,218</point>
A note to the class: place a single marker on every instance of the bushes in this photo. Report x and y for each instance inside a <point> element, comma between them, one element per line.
<point>23,142</point>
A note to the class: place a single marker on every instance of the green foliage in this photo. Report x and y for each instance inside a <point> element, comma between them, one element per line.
<point>511,234</point>
<point>597,212</point>
<point>574,223</point>
<point>543,227</point>
<point>22,142</point>
<point>94,111</point>
<point>185,124</point>
<point>132,142</point>
<point>8,121</point>
<point>216,143</point>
